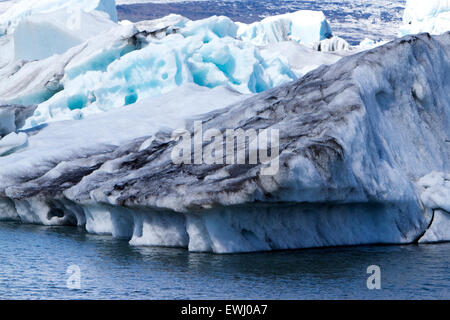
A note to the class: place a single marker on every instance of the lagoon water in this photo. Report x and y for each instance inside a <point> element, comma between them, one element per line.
<point>34,261</point>
<point>353,20</point>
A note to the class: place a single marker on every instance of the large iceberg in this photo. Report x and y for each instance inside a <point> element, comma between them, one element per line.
<point>358,141</point>
<point>431,16</point>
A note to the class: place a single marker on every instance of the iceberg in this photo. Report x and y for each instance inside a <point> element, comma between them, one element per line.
<point>435,196</point>
<point>426,16</point>
<point>363,160</point>
<point>89,119</point>
<point>75,71</point>
<point>304,26</point>
<point>436,191</point>
<point>42,35</point>
<point>25,8</point>
<point>132,62</point>
<point>301,59</point>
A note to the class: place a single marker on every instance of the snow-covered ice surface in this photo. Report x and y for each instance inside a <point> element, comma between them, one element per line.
<point>86,129</point>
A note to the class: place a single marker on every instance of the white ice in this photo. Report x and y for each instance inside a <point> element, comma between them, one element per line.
<point>12,142</point>
<point>204,52</point>
<point>74,62</point>
<point>42,35</point>
<point>303,26</point>
<point>11,18</point>
<point>431,16</point>
<point>106,84</point>
<point>436,191</point>
<point>61,141</point>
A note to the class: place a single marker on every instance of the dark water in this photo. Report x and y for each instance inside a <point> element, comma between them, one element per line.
<point>34,260</point>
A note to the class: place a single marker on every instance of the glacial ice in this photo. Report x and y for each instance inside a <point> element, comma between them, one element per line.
<point>299,58</point>
<point>12,142</point>
<point>13,117</point>
<point>42,35</point>
<point>431,16</point>
<point>6,4</point>
<point>357,139</point>
<point>99,66</point>
<point>203,52</point>
<point>105,132</point>
<point>368,44</point>
<point>25,8</point>
<point>436,191</point>
<point>331,44</point>
<point>36,81</point>
<point>364,135</point>
<point>439,228</point>
<point>303,26</point>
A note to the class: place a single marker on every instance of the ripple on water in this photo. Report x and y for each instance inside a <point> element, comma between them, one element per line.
<point>34,259</point>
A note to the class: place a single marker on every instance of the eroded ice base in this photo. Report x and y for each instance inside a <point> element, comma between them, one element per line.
<point>228,229</point>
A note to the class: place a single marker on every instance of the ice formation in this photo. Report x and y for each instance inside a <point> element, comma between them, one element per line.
<point>431,16</point>
<point>204,53</point>
<point>331,44</point>
<point>25,8</point>
<point>364,136</point>
<point>356,140</point>
<point>12,118</point>
<point>303,26</point>
<point>41,36</point>
<point>103,66</point>
<point>435,196</point>
<point>12,142</point>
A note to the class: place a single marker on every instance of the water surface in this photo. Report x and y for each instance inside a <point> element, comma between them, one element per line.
<point>34,260</point>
